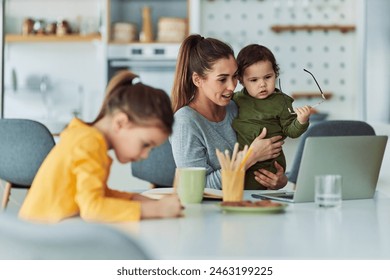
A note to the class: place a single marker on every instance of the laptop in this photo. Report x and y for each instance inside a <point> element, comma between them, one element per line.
<point>357,158</point>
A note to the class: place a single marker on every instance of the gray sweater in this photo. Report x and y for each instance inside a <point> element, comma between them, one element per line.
<point>195,139</point>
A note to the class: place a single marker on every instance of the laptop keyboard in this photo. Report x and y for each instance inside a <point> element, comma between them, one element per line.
<point>284,195</point>
<point>288,195</point>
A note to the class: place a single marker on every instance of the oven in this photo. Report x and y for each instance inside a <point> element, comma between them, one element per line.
<point>154,63</point>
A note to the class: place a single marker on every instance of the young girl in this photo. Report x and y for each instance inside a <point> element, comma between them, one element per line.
<point>261,105</point>
<point>72,180</point>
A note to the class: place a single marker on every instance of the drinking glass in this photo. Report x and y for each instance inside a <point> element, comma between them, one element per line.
<point>328,190</point>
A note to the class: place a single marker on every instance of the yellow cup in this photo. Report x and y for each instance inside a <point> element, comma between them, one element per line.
<point>233,184</point>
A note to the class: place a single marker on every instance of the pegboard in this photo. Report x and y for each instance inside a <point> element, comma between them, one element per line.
<point>330,55</point>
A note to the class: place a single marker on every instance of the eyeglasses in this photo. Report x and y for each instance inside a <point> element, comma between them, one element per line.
<point>312,106</point>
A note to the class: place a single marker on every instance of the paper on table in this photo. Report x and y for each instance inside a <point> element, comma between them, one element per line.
<point>158,193</point>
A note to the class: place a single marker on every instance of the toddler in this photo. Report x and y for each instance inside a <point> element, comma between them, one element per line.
<point>261,105</point>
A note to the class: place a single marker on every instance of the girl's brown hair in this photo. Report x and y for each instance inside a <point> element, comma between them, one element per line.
<point>252,54</point>
<point>143,105</point>
<point>196,55</point>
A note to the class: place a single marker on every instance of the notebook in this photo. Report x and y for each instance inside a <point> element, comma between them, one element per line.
<point>357,158</point>
<point>158,193</point>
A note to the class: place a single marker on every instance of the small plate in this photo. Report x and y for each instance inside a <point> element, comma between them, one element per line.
<point>261,209</point>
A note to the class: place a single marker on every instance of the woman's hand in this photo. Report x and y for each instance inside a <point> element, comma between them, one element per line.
<point>263,149</point>
<point>270,180</point>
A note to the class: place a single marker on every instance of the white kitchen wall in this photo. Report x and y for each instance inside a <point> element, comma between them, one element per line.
<point>335,58</point>
<point>75,71</point>
<point>354,66</point>
<point>377,61</point>
<point>331,56</point>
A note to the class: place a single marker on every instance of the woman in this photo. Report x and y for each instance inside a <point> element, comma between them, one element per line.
<point>205,81</point>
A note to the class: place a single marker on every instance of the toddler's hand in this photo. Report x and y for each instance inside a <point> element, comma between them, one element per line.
<point>303,114</point>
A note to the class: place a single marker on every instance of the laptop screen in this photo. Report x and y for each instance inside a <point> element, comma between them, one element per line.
<point>357,159</point>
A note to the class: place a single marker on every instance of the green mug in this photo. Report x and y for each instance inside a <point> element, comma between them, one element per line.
<point>190,184</point>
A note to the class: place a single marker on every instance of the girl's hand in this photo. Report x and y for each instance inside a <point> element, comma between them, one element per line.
<point>170,206</point>
<point>303,114</point>
<point>140,197</point>
<point>263,149</point>
<point>270,180</point>
<point>167,207</point>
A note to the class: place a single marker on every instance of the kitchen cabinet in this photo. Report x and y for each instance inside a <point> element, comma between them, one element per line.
<point>148,54</point>
<point>133,12</point>
<point>76,62</point>
<point>40,21</point>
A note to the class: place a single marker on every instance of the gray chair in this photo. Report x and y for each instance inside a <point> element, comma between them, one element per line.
<point>24,144</point>
<point>67,240</point>
<point>327,128</point>
<point>159,168</point>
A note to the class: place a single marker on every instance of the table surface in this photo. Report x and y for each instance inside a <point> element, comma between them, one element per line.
<point>359,229</point>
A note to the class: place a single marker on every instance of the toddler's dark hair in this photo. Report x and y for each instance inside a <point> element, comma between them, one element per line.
<point>252,54</point>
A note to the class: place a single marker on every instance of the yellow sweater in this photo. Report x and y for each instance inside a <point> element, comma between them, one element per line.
<point>72,181</point>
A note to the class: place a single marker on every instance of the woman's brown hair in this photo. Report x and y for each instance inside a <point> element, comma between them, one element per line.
<point>143,105</point>
<point>196,55</point>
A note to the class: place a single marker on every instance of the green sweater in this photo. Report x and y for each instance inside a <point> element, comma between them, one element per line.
<point>255,114</point>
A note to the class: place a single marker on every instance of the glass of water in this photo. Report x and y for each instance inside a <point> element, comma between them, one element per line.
<point>328,190</point>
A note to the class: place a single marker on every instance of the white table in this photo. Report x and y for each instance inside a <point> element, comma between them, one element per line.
<point>359,229</point>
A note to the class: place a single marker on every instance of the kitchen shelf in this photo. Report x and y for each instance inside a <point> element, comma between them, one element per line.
<point>310,95</point>
<point>16,38</point>
<point>292,28</point>
<point>143,43</point>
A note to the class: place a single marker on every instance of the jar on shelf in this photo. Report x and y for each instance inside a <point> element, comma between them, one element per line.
<point>28,26</point>
<point>146,35</point>
<point>51,28</point>
<point>124,32</point>
<point>39,27</point>
<point>171,29</point>
<point>63,28</point>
